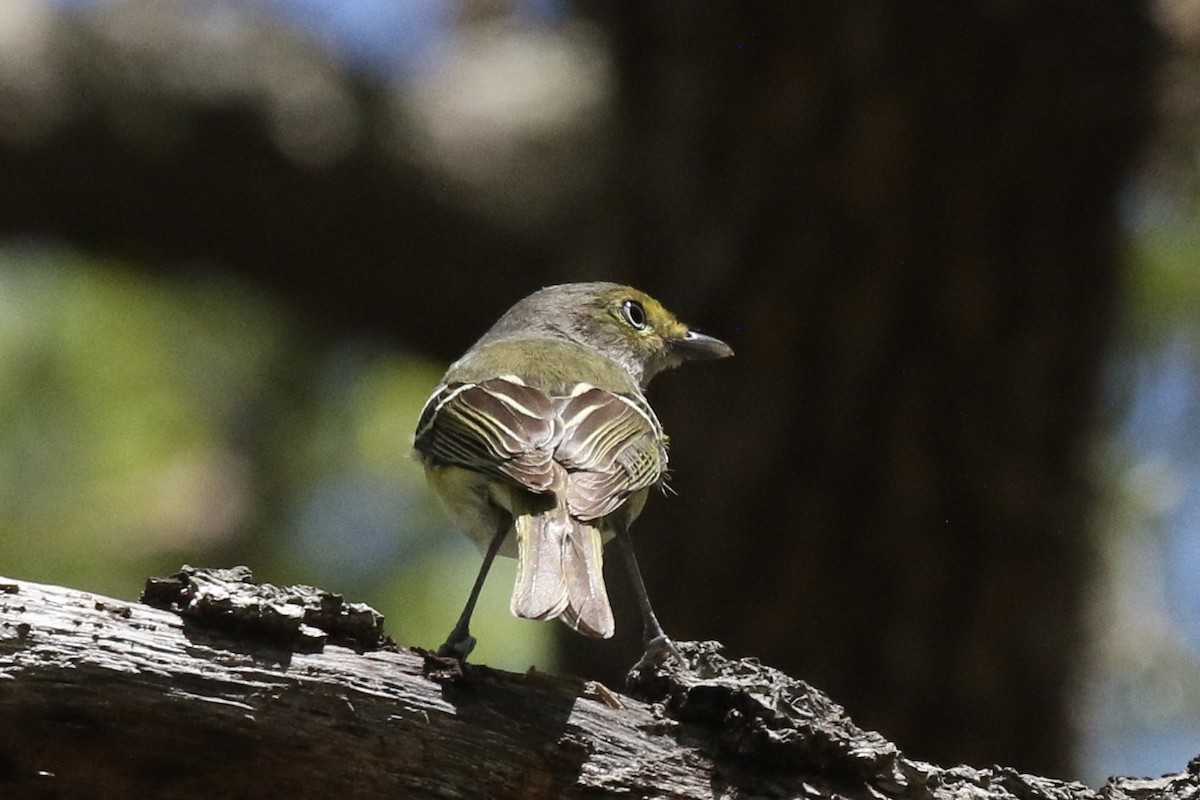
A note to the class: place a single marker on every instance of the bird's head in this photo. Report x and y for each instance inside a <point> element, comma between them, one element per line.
<point>625,324</point>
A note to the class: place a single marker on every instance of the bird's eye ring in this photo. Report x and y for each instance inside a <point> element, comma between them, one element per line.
<point>634,314</point>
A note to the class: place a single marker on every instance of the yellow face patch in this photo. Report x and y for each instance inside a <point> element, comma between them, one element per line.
<point>656,320</point>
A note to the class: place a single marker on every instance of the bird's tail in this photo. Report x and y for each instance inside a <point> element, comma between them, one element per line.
<point>560,572</point>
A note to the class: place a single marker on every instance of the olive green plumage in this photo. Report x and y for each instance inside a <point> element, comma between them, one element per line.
<point>543,447</point>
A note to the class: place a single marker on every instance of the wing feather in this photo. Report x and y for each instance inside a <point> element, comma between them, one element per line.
<point>605,446</point>
<point>612,447</point>
<point>499,426</point>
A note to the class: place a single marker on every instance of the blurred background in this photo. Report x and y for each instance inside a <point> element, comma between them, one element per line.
<point>950,477</point>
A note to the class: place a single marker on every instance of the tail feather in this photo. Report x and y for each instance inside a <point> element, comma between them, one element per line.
<point>560,572</point>
<point>540,591</point>
<point>588,610</point>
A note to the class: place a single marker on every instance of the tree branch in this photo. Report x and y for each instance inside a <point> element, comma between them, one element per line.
<point>253,690</point>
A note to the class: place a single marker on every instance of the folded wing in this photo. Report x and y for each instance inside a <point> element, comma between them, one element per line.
<point>612,446</point>
<point>500,427</point>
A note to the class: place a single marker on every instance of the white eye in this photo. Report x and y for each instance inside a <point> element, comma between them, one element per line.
<point>634,314</point>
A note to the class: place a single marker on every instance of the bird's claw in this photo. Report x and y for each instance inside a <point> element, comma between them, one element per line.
<point>658,650</point>
<point>457,646</point>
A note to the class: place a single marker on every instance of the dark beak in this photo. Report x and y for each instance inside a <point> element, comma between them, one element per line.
<point>698,347</point>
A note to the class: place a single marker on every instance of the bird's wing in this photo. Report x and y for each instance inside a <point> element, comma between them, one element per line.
<point>612,446</point>
<point>500,426</point>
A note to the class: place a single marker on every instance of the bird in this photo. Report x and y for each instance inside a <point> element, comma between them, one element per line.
<point>540,442</point>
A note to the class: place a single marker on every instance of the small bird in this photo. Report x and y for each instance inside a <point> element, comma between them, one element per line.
<point>543,447</point>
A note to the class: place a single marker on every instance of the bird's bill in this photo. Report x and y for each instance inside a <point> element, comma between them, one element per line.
<point>700,347</point>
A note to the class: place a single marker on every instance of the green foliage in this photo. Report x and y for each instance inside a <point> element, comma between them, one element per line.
<point>116,395</point>
<point>1164,287</point>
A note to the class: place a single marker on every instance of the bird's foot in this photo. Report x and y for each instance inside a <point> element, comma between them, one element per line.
<point>658,650</point>
<point>659,668</point>
<point>458,644</point>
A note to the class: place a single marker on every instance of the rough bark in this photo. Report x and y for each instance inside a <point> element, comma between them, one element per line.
<point>239,690</point>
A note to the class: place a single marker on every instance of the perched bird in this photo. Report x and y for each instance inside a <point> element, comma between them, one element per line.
<point>543,447</point>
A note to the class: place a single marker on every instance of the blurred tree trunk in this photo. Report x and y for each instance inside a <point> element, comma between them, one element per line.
<point>905,221</point>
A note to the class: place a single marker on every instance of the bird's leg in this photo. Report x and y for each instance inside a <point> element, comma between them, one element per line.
<point>460,642</point>
<point>658,644</point>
